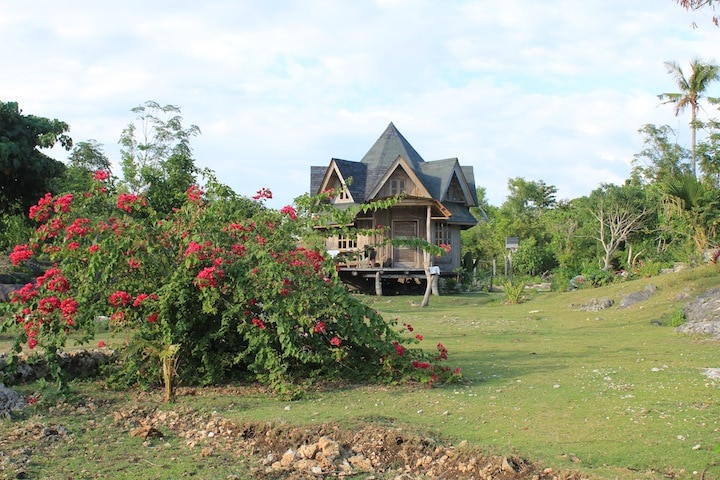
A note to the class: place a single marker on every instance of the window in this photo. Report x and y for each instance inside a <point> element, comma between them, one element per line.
<point>346,242</point>
<point>441,234</point>
<point>397,186</point>
<point>341,190</point>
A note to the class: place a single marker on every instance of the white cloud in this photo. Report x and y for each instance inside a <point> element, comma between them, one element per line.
<point>515,89</point>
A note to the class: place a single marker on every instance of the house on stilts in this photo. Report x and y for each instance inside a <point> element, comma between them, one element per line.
<point>436,200</point>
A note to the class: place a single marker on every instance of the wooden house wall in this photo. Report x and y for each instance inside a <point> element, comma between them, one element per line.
<point>394,257</point>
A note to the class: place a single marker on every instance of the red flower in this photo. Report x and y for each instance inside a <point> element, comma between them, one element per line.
<point>335,341</point>
<point>41,211</point>
<point>20,253</point>
<point>422,365</point>
<point>25,294</point>
<point>73,246</point>
<point>194,194</point>
<point>399,349</point>
<point>139,299</point>
<point>258,323</point>
<point>126,201</point>
<point>193,247</point>
<point>289,211</point>
<point>152,318</point>
<point>419,337</point>
<point>93,248</point>
<point>48,304</point>
<point>443,355</point>
<point>133,263</point>
<point>101,175</point>
<point>120,299</point>
<point>101,344</point>
<point>62,204</point>
<point>319,327</point>
<point>208,277</point>
<point>262,194</point>
<point>69,307</point>
<point>79,227</point>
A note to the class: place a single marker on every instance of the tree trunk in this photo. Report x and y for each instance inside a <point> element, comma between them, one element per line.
<point>428,278</point>
<point>168,379</point>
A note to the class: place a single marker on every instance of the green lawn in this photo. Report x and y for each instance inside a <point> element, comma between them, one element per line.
<point>610,393</point>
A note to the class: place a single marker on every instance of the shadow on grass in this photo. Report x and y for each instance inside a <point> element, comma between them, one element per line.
<point>497,366</point>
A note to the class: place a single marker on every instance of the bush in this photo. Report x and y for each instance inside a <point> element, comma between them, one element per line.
<point>216,290</point>
<point>513,291</point>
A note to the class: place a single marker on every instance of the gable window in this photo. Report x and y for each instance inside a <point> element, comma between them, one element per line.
<point>397,186</point>
<point>455,193</point>
<point>341,190</point>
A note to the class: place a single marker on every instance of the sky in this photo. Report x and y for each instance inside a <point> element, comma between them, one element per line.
<point>546,91</point>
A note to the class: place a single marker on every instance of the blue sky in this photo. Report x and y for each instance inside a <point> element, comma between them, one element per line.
<point>551,91</point>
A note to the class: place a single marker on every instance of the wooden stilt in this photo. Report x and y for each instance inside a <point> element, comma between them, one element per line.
<point>378,284</point>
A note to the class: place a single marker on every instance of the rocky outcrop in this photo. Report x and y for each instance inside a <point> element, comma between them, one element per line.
<point>636,297</point>
<point>702,315</point>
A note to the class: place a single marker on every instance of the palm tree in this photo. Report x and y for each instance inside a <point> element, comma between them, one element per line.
<point>692,89</point>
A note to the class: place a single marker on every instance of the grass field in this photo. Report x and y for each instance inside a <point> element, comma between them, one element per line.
<point>615,394</point>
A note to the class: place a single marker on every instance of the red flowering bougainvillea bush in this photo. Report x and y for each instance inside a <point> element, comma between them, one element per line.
<point>219,289</point>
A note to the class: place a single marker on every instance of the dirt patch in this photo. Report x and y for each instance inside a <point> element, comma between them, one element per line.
<point>327,450</point>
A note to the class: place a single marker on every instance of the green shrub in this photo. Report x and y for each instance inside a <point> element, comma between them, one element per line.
<point>513,291</point>
<point>677,318</point>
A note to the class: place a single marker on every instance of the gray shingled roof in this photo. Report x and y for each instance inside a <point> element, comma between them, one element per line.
<point>435,175</point>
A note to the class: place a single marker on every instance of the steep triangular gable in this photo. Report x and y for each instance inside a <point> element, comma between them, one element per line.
<point>334,179</point>
<point>456,188</point>
<point>402,164</point>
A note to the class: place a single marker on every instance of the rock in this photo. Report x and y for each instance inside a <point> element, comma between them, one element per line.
<point>10,401</point>
<point>637,297</point>
<point>507,466</point>
<point>308,450</point>
<point>6,290</point>
<point>330,449</point>
<point>595,304</point>
<point>146,432</point>
<point>702,315</point>
<point>288,458</point>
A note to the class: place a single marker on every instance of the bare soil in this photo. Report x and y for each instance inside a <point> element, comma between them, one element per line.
<point>282,451</point>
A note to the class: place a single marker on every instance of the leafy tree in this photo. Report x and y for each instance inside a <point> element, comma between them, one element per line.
<point>661,156</point>
<point>480,241</point>
<point>27,173</point>
<point>156,157</point>
<point>692,89</point>
<point>620,212</point>
<point>708,151</point>
<point>698,4</point>
<point>693,208</point>
<point>84,160</point>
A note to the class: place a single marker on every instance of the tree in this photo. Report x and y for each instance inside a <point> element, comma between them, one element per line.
<point>156,157</point>
<point>694,208</point>
<point>27,173</point>
<point>661,157</point>
<point>620,212</point>
<point>692,89</point>
<point>708,151</point>
<point>85,159</point>
<point>698,4</point>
